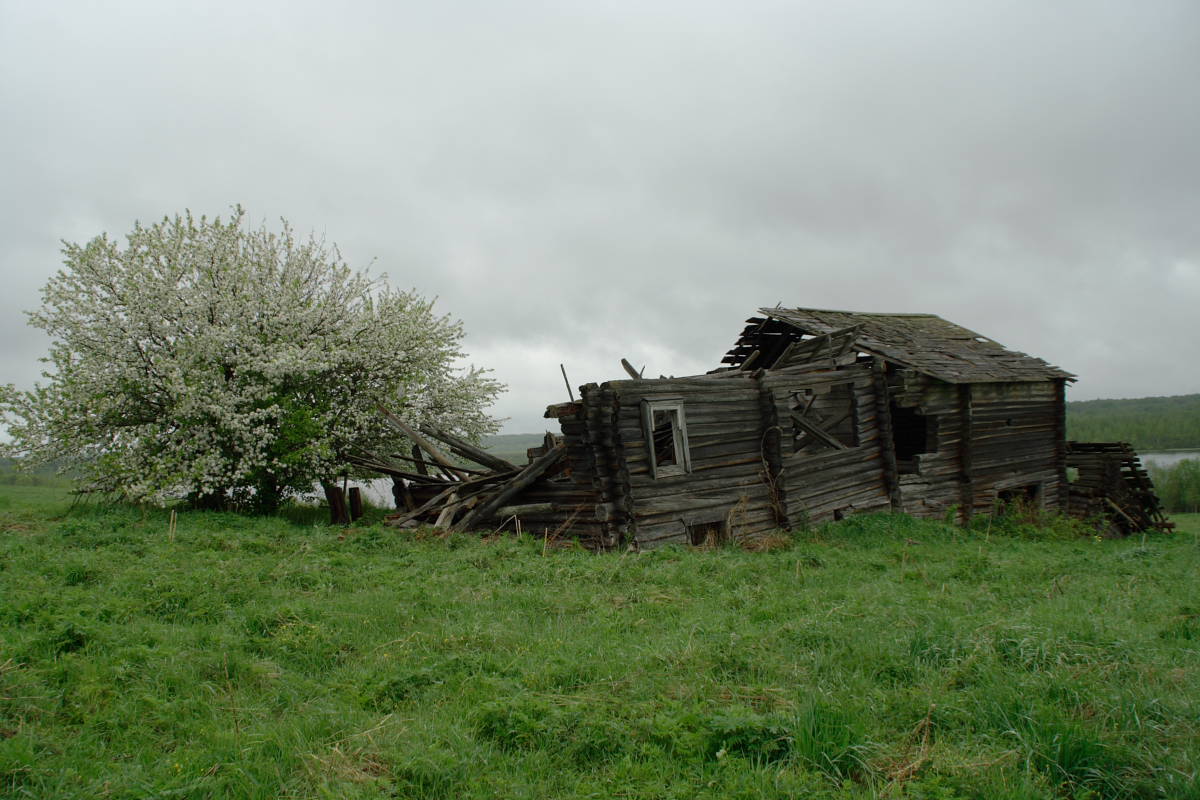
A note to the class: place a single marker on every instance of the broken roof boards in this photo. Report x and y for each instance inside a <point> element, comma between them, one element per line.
<point>924,342</point>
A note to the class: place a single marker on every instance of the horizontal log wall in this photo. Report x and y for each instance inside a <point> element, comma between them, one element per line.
<point>822,483</point>
<point>1017,441</point>
<point>726,483</point>
<point>1014,442</point>
<point>936,486</point>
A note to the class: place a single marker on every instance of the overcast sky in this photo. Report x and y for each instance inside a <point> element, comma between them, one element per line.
<point>584,181</point>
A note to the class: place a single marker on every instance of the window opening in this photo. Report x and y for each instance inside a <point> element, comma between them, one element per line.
<point>824,418</point>
<point>1029,496</point>
<point>913,433</point>
<point>666,437</point>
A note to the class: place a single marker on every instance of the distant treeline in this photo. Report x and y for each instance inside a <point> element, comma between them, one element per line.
<point>1148,423</point>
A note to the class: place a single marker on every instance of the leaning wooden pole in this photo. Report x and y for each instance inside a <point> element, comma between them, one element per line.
<point>419,440</point>
<point>468,450</point>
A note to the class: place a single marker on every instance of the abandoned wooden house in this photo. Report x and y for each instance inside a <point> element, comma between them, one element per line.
<point>813,415</point>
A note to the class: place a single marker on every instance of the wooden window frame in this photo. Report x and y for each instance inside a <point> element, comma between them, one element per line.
<point>683,457</point>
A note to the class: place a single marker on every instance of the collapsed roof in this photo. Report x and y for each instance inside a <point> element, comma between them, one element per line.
<point>924,342</point>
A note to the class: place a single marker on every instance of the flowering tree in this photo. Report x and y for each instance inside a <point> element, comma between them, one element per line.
<point>235,366</point>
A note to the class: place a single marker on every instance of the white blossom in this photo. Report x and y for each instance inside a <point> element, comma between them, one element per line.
<point>209,359</point>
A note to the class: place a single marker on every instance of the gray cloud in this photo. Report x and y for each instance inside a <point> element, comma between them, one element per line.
<point>581,183</point>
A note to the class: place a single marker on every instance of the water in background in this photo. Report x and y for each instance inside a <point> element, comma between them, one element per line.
<point>1169,458</point>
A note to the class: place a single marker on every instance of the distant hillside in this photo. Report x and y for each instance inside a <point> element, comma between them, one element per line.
<point>1148,423</point>
<point>512,446</point>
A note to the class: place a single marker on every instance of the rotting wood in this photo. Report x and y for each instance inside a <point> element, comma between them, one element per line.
<point>964,453</point>
<point>883,415</point>
<point>336,498</point>
<point>527,476</point>
<point>504,512</point>
<point>416,438</point>
<point>465,449</point>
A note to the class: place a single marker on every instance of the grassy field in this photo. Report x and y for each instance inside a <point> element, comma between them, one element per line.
<point>879,657</point>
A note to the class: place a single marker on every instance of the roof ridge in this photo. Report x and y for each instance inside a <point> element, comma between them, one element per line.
<point>769,309</point>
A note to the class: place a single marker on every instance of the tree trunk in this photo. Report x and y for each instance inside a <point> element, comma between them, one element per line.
<point>338,513</point>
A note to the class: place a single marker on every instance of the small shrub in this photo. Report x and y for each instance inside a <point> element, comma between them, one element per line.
<point>761,738</point>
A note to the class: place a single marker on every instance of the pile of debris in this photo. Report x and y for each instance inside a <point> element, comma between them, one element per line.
<point>1114,486</point>
<point>432,489</point>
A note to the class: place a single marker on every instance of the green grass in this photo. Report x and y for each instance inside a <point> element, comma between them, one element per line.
<point>880,657</point>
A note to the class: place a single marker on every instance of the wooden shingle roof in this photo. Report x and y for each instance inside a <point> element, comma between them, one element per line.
<point>924,342</point>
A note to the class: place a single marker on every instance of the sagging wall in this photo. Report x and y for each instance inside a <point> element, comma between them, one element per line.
<point>818,481</point>
<point>752,468</point>
<point>869,437</point>
<point>983,442</point>
<point>721,492</point>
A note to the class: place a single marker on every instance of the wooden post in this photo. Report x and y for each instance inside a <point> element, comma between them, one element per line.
<point>1060,445</point>
<point>964,453</point>
<point>770,439</point>
<point>338,514</point>
<point>887,438</point>
<point>402,495</point>
<point>356,504</point>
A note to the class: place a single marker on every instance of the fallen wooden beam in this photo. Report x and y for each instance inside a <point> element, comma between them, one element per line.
<point>527,476</point>
<point>399,519</point>
<point>633,373</point>
<point>465,449</point>
<point>529,508</point>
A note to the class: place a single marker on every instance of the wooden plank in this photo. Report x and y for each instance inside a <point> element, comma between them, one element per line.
<point>816,432</point>
<point>467,450</point>
<point>419,440</point>
<point>531,473</point>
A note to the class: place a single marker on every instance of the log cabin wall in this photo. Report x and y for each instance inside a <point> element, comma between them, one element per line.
<point>586,496</point>
<point>1016,444</point>
<point>824,480</point>
<point>716,490</point>
<point>984,443</point>
<point>927,432</point>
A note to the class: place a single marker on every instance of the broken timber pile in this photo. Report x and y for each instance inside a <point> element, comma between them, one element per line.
<point>1113,485</point>
<point>437,491</point>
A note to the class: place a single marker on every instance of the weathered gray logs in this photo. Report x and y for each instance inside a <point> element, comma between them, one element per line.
<point>467,450</point>
<point>419,440</point>
<point>527,476</point>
